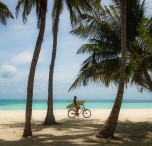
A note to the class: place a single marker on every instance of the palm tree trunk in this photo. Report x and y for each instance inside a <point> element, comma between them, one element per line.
<point>28,130</point>
<point>50,119</point>
<point>108,129</point>
<point>147,77</point>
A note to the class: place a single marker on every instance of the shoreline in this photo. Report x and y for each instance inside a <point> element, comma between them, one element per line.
<point>85,108</point>
<point>134,128</point>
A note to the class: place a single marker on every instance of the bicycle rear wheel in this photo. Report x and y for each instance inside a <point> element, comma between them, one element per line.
<point>86,113</point>
<point>71,113</point>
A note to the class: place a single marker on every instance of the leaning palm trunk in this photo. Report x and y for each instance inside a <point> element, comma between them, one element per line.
<point>50,119</point>
<point>28,130</point>
<point>147,77</point>
<point>108,129</point>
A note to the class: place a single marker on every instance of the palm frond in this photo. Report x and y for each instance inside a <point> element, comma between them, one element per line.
<point>102,72</point>
<point>102,29</point>
<point>27,6</point>
<point>76,7</point>
<point>4,13</point>
<point>116,3</point>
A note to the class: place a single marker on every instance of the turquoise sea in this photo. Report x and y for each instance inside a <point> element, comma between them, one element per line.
<point>61,104</point>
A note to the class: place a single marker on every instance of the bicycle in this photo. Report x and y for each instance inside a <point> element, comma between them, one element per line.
<point>85,112</point>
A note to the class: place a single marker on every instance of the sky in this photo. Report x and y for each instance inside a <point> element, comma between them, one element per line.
<point>17,43</point>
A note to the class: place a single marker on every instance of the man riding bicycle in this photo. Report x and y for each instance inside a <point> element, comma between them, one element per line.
<point>76,107</point>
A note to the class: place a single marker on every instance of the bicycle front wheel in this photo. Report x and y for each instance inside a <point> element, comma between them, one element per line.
<point>86,113</point>
<point>71,113</point>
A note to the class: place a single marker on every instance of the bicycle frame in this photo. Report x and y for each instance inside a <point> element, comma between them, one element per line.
<point>82,109</point>
<point>85,112</point>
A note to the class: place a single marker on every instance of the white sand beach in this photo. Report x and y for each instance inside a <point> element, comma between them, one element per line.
<point>134,128</point>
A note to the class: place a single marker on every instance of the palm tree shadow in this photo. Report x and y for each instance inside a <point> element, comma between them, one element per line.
<point>82,131</point>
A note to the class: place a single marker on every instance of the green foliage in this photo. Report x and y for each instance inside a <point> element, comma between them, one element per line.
<point>145,35</point>
<point>27,7</point>
<point>75,8</point>
<point>102,29</point>
<point>4,13</point>
<point>141,53</point>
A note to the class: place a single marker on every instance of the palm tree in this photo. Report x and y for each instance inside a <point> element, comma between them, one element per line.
<point>104,62</point>
<point>108,129</point>
<point>41,8</point>
<point>58,6</point>
<point>110,125</point>
<point>4,13</point>
<point>103,32</point>
<point>75,8</point>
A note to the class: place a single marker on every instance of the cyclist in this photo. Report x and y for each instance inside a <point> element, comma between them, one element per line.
<point>76,107</point>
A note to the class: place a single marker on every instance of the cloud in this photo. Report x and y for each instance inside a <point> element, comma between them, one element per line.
<point>8,71</point>
<point>25,57</point>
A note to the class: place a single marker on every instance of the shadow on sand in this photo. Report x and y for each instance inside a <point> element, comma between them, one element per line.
<point>80,131</point>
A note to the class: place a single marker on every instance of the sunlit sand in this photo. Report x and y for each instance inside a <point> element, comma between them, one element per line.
<point>134,128</point>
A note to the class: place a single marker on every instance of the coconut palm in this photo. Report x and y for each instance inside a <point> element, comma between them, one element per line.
<point>75,8</point>
<point>41,8</point>
<point>108,129</point>
<point>103,31</point>
<point>4,13</point>
<point>104,62</point>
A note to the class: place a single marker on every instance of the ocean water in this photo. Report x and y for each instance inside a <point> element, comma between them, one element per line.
<point>61,104</point>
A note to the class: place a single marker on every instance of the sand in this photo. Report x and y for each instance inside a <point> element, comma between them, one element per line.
<point>134,128</point>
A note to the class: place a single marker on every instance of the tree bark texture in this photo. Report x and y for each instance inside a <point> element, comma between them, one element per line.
<point>108,129</point>
<point>50,118</point>
<point>28,130</point>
